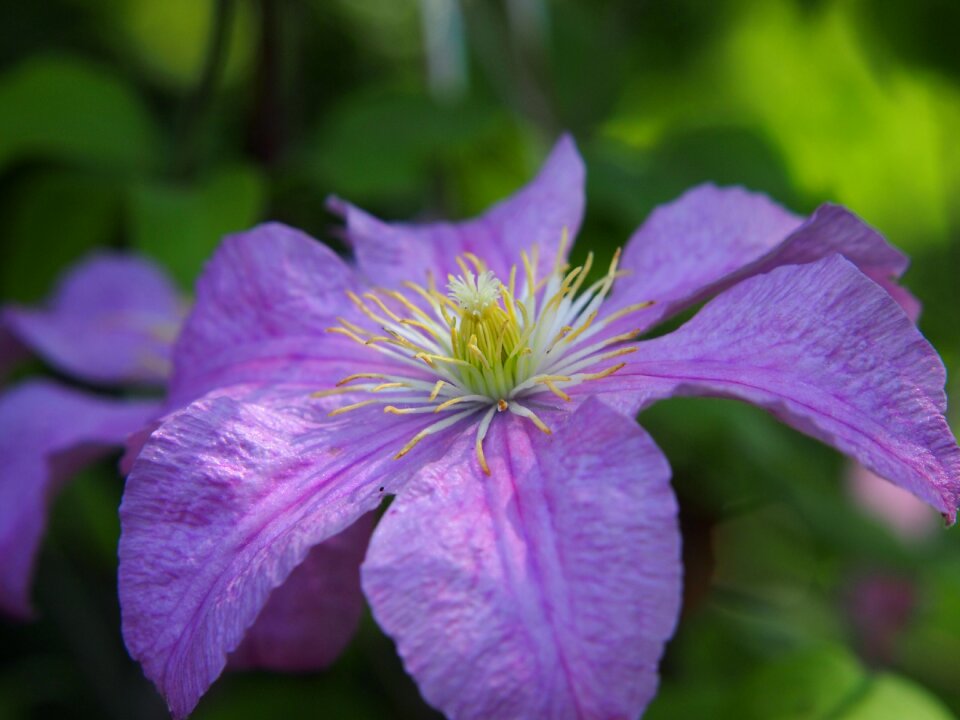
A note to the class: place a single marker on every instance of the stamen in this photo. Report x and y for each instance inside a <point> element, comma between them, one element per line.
<point>349,333</point>
<point>393,410</point>
<point>486,347</point>
<point>518,409</point>
<point>436,390</point>
<point>432,429</point>
<point>555,390</point>
<point>380,304</point>
<point>626,311</point>
<point>388,385</point>
<point>348,408</point>
<point>334,391</point>
<point>402,299</point>
<point>481,434</point>
<point>358,376</point>
<point>459,399</point>
<point>603,373</point>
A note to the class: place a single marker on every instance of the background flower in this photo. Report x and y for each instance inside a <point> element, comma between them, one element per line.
<point>111,321</point>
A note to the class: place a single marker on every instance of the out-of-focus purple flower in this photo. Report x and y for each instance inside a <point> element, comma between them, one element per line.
<point>110,322</point>
<point>881,606</point>
<point>529,564</point>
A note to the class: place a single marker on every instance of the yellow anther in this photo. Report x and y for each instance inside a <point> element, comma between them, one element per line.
<point>393,410</point>
<point>555,390</point>
<point>364,308</point>
<point>436,390</point>
<point>463,268</point>
<point>350,326</point>
<point>477,263</point>
<point>348,408</point>
<point>329,393</point>
<point>603,373</point>
<point>421,326</point>
<point>526,412</point>
<point>627,310</point>
<point>430,358</point>
<point>570,337</point>
<point>481,458</point>
<point>388,386</point>
<point>380,304</point>
<point>410,445</point>
<point>360,376</point>
<point>451,402</point>
<point>350,334</point>
<point>402,299</point>
<point>474,348</point>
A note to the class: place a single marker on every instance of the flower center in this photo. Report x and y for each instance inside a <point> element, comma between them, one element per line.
<point>485,347</point>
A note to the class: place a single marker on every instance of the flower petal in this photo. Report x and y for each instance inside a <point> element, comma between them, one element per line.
<point>711,238</point>
<point>47,432</point>
<point>825,350</point>
<point>112,319</point>
<point>263,305</point>
<point>226,498</point>
<point>309,619</point>
<point>546,590</point>
<point>538,214</point>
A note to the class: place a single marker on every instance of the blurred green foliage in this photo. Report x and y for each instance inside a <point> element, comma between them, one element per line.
<point>162,126</point>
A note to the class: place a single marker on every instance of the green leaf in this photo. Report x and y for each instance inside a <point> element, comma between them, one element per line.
<point>71,110</point>
<point>181,225</point>
<point>171,38</point>
<point>891,697</point>
<point>383,144</point>
<point>50,220</point>
<point>807,685</point>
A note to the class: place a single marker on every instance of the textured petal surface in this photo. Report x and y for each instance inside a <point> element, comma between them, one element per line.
<point>546,590</point>
<point>309,619</point>
<point>711,238</point>
<point>262,308</point>
<point>224,501</point>
<point>538,214</point>
<point>826,350</point>
<point>47,432</point>
<point>111,320</point>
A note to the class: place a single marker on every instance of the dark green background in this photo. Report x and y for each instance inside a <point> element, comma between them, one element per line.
<point>159,126</point>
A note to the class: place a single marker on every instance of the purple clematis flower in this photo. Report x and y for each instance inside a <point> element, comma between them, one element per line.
<point>529,565</point>
<point>111,322</point>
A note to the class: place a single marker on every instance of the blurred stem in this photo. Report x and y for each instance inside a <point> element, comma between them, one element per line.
<point>198,105</point>
<point>267,123</point>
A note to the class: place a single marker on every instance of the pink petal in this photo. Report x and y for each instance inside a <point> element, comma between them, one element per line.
<point>538,214</point>
<point>825,350</point>
<point>546,590</point>
<point>711,238</point>
<point>228,497</point>
<point>309,619</point>
<point>111,320</point>
<point>907,516</point>
<point>47,432</point>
